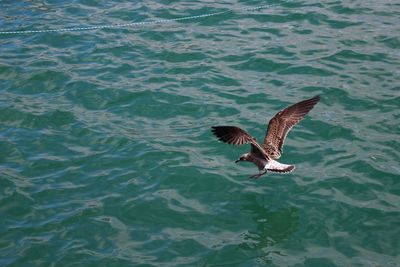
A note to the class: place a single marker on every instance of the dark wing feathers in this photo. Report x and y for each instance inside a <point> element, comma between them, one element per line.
<point>236,136</point>
<point>232,135</point>
<point>258,151</point>
<point>284,120</point>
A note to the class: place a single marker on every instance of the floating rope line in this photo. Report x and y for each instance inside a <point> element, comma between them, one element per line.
<point>133,24</point>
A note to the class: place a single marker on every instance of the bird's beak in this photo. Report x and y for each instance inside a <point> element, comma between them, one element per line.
<point>236,161</point>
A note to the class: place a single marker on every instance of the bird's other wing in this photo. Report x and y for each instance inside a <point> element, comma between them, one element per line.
<point>232,135</point>
<point>258,151</point>
<point>284,120</point>
<point>236,136</point>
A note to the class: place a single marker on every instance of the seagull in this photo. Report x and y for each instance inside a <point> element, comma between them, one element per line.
<point>265,155</point>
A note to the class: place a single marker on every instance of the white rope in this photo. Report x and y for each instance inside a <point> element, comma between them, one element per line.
<point>133,24</point>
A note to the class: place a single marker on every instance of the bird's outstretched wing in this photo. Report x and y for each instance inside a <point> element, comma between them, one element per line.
<point>232,135</point>
<point>236,136</point>
<point>283,121</point>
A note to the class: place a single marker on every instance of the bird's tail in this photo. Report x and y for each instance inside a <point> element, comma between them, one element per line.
<point>275,166</point>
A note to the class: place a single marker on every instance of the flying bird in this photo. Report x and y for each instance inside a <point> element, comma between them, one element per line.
<point>265,155</point>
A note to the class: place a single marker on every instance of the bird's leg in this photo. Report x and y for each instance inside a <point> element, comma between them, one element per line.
<point>256,176</point>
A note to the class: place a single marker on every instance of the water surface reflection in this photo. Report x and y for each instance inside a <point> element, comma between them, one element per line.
<point>272,226</point>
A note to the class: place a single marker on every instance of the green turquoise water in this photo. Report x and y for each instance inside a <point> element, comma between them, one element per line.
<point>106,154</point>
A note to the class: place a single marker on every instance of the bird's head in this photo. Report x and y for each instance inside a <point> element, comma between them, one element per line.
<point>244,157</point>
